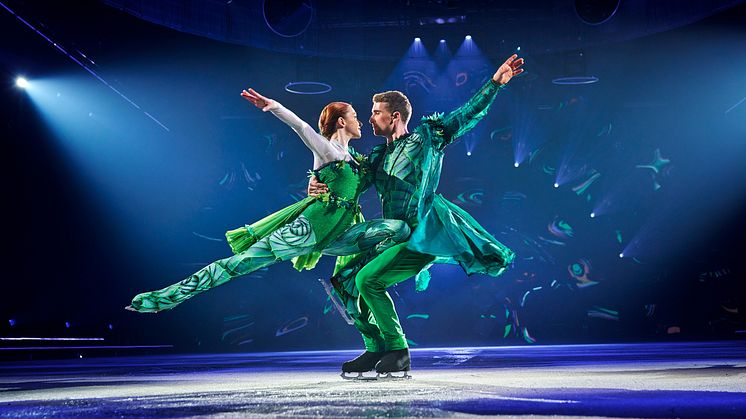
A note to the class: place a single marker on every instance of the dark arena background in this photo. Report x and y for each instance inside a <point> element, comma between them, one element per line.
<point>614,167</point>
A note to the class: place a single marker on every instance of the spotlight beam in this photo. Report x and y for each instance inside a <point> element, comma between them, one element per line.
<point>85,67</point>
<point>736,105</point>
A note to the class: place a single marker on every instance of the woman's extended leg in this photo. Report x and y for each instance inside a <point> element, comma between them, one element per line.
<point>291,240</point>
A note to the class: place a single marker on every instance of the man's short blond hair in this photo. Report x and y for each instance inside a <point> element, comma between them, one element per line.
<point>396,102</point>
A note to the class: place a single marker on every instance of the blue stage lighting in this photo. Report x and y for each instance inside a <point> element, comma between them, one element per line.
<point>518,49</point>
<point>417,39</point>
<point>516,164</point>
<point>734,106</point>
<point>308,87</point>
<point>442,41</point>
<point>593,215</point>
<point>468,153</point>
<point>468,37</point>
<point>575,80</point>
<point>22,82</point>
<point>621,255</point>
<point>80,63</point>
<point>556,185</point>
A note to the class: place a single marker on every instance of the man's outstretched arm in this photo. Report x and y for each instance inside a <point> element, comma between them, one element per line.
<point>466,116</point>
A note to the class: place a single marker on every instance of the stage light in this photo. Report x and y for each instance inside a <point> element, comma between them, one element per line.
<point>575,80</point>
<point>416,39</point>
<point>468,37</point>
<point>308,87</point>
<point>22,82</point>
<point>468,153</point>
<point>516,164</point>
<point>518,49</point>
<point>27,338</point>
<point>593,215</point>
<point>556,185</point>
<point>621,255</point>
<point>442,41</point>
<point>12,322</point>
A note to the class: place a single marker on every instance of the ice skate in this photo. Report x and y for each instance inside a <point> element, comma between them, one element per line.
<point>394,365</point>
<point>142,309</point>
<point>360,365</point>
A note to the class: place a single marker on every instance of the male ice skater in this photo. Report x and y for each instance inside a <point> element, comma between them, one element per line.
<point>406,172</point>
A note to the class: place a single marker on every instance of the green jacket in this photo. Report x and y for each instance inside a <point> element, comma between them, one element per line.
<point>406,174</point>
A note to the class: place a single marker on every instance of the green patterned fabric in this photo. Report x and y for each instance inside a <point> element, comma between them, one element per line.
<point>406,173</point>
<point>406,176</point>
<point>300,232</point>
<point>244,237</point>
<point>291,240</point>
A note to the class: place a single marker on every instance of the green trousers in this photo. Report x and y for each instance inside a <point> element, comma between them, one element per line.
<point>378,322</point>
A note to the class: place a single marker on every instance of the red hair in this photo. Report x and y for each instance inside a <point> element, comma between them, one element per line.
<point>329,116</point>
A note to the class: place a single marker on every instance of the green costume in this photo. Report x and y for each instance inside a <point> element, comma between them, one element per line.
<point>406,173</point>
<point>301,232</point>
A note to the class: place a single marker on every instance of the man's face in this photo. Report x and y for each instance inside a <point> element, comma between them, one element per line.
<point>381,119</point>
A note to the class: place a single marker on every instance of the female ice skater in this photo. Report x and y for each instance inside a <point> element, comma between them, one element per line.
<point>306,229</point>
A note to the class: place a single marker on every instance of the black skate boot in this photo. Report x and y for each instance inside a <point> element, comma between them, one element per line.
<point>363,363</point>
<point>394,362</point>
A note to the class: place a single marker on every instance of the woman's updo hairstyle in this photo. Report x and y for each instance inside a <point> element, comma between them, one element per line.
<point>329,116</point>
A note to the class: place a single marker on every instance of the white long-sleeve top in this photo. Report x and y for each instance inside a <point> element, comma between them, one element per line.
<point>324,151</point>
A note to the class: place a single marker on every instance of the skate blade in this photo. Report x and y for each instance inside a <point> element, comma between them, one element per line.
<point>141,310</point>
<point>393,376</point>
<point>359,377</point>
<point>337,303</point>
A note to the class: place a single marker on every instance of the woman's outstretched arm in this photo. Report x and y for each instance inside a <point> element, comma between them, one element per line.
<point>323,151</point>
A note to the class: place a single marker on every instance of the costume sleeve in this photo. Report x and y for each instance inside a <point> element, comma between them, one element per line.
<point>323,151</point>
<point>464,118</point>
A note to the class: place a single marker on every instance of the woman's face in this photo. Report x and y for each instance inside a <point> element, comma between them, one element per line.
<point>352,124</point>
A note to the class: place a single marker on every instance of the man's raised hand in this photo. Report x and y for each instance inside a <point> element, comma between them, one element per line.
<point>509,69</point>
